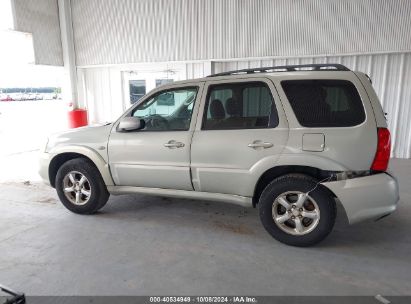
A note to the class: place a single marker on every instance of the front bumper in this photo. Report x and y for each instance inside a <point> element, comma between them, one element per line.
<point>44,162</point>
<point>368,197</point>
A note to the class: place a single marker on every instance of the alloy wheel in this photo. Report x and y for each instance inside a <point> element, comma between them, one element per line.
<point>295,212</point>
<point>76,188</point>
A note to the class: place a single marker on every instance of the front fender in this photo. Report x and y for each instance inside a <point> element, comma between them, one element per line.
<point>90,153</point>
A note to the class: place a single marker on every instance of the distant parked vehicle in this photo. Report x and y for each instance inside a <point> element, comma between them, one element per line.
<point>32,96</point>
<point>49,96</point>
<point>6,98</point>
<point>30,93</point>
<point>17,96</point>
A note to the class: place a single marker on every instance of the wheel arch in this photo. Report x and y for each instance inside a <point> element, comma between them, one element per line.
<point>67,154</point>
<point>274,172</point>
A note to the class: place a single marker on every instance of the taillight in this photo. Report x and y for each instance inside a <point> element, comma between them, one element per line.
<point>382,156</point>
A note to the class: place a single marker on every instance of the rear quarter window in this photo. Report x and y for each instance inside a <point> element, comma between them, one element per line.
<point>324,103</point>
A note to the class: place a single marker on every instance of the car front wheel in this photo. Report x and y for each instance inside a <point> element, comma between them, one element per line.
<point>296,211</point>
<point>80,187</point>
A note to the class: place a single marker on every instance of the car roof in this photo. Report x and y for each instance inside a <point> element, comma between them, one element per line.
<point>259,75</point>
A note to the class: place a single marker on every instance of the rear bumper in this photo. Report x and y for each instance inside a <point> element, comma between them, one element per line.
<point>366,198</point>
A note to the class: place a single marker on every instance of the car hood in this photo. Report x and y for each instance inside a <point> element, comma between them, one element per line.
<point>94,137</point>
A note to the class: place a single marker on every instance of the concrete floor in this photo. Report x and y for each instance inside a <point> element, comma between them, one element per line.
<point>140,245</point>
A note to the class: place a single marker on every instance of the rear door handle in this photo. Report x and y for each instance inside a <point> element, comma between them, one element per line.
<point>260,144</point>
<point>172,144</point>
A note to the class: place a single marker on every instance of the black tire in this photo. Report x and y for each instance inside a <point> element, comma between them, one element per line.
<point>98,194</point>
<point>301,183</point>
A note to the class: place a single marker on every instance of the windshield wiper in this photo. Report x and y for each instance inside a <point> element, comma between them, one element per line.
<point>17,297</point>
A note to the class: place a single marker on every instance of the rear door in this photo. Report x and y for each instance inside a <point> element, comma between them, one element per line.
<point>241,129</point>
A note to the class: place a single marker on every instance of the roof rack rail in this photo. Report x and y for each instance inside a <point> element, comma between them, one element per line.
<point>287,68</point>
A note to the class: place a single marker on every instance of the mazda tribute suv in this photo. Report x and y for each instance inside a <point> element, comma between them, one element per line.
<point>292,141</point>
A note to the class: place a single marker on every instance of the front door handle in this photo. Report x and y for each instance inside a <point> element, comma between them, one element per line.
<point>258,144</point>
<point>172,144</point>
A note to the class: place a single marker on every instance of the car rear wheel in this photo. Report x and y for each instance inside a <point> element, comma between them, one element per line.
<point>80,187</point>
<point>297,212</point>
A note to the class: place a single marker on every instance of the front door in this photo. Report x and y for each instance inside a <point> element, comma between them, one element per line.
<point>157,156</point>
<point>242,131</point>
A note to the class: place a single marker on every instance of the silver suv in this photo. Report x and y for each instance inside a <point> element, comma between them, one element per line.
<point>293,141</point>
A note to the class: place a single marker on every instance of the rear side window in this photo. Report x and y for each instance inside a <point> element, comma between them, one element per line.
<point>324,103</point>
<point>239,106</point>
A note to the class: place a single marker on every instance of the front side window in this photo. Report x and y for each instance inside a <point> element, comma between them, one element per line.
<point>239,106</point>
<point>324,103</point>
<point>168,110</point>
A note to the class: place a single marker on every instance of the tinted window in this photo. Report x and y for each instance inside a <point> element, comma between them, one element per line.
<point>325,103</point>
<point>239,106</point>
<point>168,110</point>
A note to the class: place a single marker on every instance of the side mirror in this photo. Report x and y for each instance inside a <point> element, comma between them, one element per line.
<point>128,124</point>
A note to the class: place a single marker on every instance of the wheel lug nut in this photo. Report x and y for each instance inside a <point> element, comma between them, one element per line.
<point>301,209</point>
<point>293,206</point>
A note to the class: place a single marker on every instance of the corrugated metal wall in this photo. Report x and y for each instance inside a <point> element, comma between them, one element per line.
<point>130,31</point>
<point>40,17</point>
<point>100,90</point>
